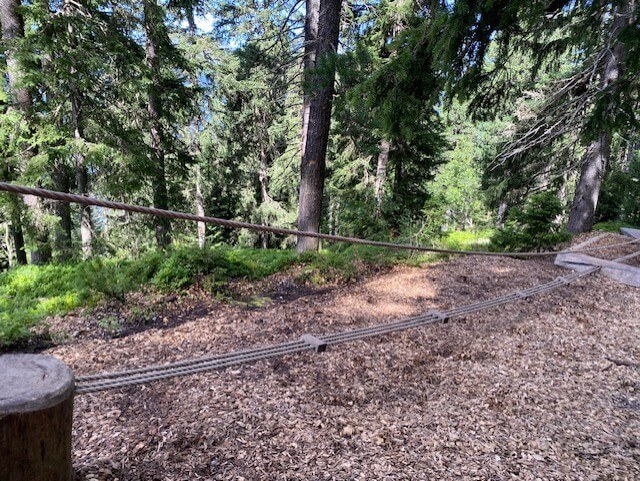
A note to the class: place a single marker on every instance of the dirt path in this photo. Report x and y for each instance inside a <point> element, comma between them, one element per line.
<point>523,391</point>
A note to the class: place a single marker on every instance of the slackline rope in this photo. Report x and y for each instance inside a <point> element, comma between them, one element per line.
<point>170,214</point>
<point>132,377</point>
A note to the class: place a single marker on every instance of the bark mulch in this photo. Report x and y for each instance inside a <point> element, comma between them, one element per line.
<point>546,388</point>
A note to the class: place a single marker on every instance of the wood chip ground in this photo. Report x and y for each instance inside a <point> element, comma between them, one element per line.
<point>527,391</point>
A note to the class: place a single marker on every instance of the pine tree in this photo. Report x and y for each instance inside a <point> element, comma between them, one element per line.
<point>319,82</point>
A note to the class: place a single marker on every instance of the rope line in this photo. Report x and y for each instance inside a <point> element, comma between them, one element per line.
<point>170,214</point>
<point>113,380</point>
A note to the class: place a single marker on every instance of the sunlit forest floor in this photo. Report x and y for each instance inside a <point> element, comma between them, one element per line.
<point>124,293</point>
<point>524,391</point>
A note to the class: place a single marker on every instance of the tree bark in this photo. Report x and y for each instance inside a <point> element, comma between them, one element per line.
<point>42,253</point>
<point>16,231</point>
<point>202,232</point>
<point>308,62</point>
<point>321,83</point>
<point>633,146</point>
<point>153,20</point>
<point>195,143</point>
<point>13,29</point>
<point>585,201</point>
<point>62,236</point>
<point>263,179</point>
<point>381,175</point>
<point>82,175</point>
<point>385,144</point>
<point>36,417</point>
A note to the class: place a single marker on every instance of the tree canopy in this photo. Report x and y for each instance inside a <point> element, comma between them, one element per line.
<point>392,119</point>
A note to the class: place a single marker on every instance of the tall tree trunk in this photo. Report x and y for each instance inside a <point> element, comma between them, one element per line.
<point>82,175</point>
<point>153,20</point>
<point>309,62</point>
<point>62,237</point>
<point>321,83</point>
<point>195,143</point>
<point>13,29</point>
<point>8,244</point>
<point>585,201</point>
<point>77,126</point>
<point>385,144</point>
<point>381,175</point>
<point>503,210</point>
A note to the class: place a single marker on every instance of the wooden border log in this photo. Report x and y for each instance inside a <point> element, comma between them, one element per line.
<point>36,410</point>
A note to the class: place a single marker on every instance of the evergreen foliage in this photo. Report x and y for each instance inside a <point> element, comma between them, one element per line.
<point>534,227</point>
<point>445,116</point>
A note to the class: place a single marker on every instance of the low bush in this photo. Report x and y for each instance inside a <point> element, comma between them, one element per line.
<point>533,227</point>
<point>28,294</point>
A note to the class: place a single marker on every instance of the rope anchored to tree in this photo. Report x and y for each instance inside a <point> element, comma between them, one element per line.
<point>232,224</point>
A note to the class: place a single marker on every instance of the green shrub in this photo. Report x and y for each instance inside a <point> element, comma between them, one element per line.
<point>107,277</point>
<point>30,293</point>
<point>534,227</point>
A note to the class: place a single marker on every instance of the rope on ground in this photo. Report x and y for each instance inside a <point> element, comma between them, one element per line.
<point>114,380</point>
<point>170,214</point>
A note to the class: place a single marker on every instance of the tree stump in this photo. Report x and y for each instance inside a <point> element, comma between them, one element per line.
<point>36,408</point>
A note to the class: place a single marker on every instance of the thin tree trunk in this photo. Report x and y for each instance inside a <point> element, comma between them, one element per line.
<point>633,146</point>
<point>385,144</point>
<point>62,238</point>
<point>202,232</point>
<point>263,179</point>
<point>503,210</point>
<point>153,19</point>
<point>381,175</point>
<point>42,253</point>
<point>8,244</point>
<point>82,176</point>
<point>585,201</point>
<point>314,158</point>
<point>195,144</point>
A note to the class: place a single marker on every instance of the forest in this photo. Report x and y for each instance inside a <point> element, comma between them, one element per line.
<point>409,121</point>
<point>319,239</point>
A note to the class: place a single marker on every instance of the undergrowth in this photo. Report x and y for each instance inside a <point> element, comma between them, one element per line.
<point>613,226</point>
<point>29,294</point>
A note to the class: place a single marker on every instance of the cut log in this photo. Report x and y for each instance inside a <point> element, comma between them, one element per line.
<point>36,407</point>
<point>624,273</point>
<point>635,233</point>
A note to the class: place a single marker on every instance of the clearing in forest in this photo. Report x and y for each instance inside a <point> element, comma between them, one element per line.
<point>545,388</point>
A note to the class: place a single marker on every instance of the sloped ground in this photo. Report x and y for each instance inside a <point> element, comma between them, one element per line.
<point>525,391</point>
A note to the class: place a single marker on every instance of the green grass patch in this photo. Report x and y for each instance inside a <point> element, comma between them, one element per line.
<point>613,226</point>
<point>468,240</point>
<point>28,294</point>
